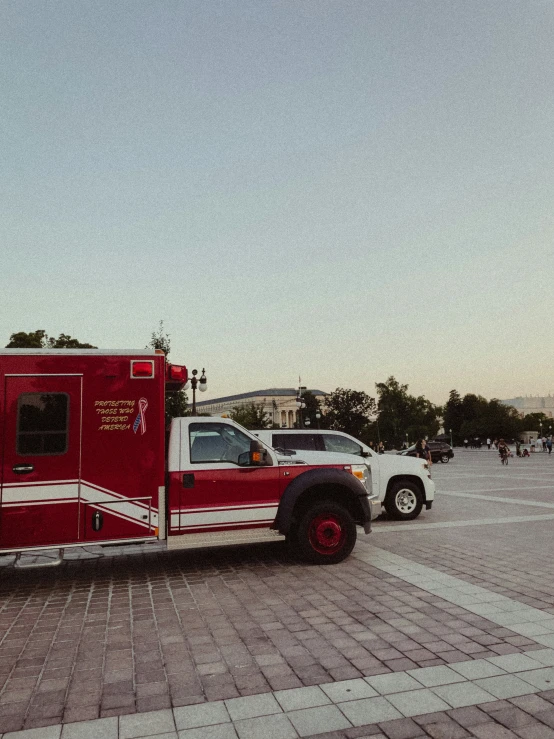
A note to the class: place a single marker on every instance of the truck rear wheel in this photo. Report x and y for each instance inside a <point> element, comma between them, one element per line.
<point>326,533</point>
<point>404,501</point>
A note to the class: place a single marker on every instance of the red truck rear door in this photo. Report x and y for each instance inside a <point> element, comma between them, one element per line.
<point>42,460</point>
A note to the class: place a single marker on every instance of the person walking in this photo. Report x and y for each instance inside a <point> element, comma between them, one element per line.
<point>423,451</point>
<point>489,444</point>
<point>549,444</point>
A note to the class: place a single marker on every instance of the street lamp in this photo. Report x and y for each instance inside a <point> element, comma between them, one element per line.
<point>307,422</point>
<point>318,416</point>
<point>300,404</point>
<point>197,383</point>
<point>451,444</point>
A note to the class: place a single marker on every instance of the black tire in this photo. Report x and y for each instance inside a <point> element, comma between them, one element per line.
<point>445,459</point>
<point>404,501</point>
<point>326,534</point>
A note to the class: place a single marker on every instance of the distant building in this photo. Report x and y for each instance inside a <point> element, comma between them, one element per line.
<point>532,404</point>
<point>279,403</point>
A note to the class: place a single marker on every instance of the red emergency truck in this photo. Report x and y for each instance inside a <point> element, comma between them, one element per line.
<point>84,460</point>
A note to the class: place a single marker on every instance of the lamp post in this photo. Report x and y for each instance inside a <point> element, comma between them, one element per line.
<point>307,422</point>
<point>317,416</point>
<point>451,444</point>
<point>300,404</point>
<point>195,383</point>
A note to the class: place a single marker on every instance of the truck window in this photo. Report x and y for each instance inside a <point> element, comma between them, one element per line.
<point>214,442</point>
<point>341,444</point>
<point>300,442</point>
<point>42,424</point>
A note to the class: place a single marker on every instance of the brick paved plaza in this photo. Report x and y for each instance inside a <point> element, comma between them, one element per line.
<point>441,627</point>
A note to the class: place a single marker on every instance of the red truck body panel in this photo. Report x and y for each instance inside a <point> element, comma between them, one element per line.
<point>82,445</point>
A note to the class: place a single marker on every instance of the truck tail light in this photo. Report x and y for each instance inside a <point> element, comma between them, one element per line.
<point>142,369</point>
<point>176,375</point>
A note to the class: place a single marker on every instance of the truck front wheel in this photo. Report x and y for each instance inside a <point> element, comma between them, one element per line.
<point>326,534</point>
<point>404,501</point>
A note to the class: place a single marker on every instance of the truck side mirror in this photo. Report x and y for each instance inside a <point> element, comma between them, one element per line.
<point>256,457</point>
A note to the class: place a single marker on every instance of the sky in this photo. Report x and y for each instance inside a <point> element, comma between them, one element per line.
<point>335,190</point>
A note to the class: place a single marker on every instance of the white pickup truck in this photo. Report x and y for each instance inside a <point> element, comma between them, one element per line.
<point>403,485</point>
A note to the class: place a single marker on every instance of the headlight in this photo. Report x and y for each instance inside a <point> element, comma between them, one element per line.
<point>361,472</point>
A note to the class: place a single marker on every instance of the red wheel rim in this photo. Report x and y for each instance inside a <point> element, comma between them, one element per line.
<point>326,534</point>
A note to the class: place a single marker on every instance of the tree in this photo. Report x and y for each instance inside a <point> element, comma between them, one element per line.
<point>40,340</point>
<point>401,413</point>
<point>475,416</point>
<point>251,416</point>
<point>176,401</point>
<point>534,421</point>
<point>453,415</point>
<point>160,340</point>
<point>349,411</point>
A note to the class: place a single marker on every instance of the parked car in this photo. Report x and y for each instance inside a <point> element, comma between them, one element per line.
<point>402,486</point>
<point>440,451</point>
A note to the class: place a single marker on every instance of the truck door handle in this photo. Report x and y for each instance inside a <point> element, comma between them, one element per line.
<point>23,469</point>
<point>188,480</point>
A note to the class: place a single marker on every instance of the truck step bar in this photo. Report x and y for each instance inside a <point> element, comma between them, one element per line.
<point>38,565</point>
<point>223,538</point>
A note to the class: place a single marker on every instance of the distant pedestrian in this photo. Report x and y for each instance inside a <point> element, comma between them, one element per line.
<point>381,448</point>
<point>423,451</point>
<point>525,453</point>
<point>549,444</point>
<point>532,444</point>
<point>465,443</point>
<point>544,443</point>
<point>488,444</point>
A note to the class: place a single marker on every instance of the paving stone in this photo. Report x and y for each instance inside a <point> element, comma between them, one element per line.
<point>347,690</point>
<point>512,718</point>
<point>45,732</point>
<point>276,727</point>
<point>252,706</point>
<point>474,669</point>
<point>142,724</point>
<point>505,686</point>
<point>515,662</point>
<point>536,731</point>
<point>395,682</point>
<point>463,694</point>
<point>219,731</point>
<point>202,714</point>
<point>102,728</point>
<point>369,711</point>
<point>431,676</point>
<point>446,729</point>
<point>418,702</point>
<point>291,700</point>
<point>402,728</point>
<point>310,721</point>
<point>492,731</point>
<point>533,704</point>
<point>468,716</point>
<point>544,656</point>
<point>542,679</point>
